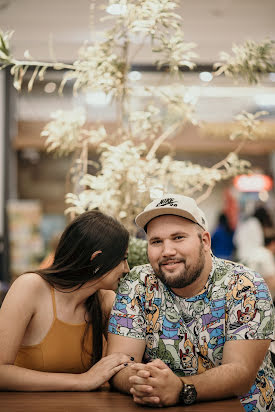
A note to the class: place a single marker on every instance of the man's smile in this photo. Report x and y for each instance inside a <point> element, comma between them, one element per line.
<point>171,264</point>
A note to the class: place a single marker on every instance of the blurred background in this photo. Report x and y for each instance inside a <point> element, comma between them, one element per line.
<point>32,182</point>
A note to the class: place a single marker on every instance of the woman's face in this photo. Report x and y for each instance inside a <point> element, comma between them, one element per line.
<point>110,279</point>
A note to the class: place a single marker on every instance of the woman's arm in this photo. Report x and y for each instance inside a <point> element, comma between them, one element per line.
<point>16,313</point>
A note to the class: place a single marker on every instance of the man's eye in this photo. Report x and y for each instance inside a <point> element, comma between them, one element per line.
<point>179,237</point>
<point>155,242</point>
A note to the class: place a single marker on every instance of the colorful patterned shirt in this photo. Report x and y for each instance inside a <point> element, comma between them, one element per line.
<point>188,334</point>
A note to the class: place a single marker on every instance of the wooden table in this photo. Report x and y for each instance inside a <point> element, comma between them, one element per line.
<point>102,401</point>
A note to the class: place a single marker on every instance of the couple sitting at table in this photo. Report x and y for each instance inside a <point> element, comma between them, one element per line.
<point>187,327</point>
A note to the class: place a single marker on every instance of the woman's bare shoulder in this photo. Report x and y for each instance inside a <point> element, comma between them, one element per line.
<point>24,296</point>
<point>29,284</point>
<point>31,279</point>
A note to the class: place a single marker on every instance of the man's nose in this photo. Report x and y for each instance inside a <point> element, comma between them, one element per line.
<point>168,248</point>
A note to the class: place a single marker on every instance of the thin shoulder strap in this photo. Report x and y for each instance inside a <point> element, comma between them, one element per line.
<point>53,300</point>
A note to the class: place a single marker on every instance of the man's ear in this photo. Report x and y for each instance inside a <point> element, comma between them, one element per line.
<point>95,254</point>
<point>206,240</point>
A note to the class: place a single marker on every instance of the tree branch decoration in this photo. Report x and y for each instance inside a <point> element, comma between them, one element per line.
<point>248,62</point>
<point>130,170</point>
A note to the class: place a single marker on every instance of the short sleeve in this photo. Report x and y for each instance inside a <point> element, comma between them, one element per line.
<point>250,310</point>
<point>127,316</point>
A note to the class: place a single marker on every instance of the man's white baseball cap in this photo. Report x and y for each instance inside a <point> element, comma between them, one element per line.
<point>172,204</point>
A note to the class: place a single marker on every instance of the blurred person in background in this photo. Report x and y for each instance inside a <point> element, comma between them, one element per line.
<point>53,321</point>
<point>249,234</point>
<point>262,260</point>
<point>222,239</point>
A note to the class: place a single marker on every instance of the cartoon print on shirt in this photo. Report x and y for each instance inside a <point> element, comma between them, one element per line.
<point>137,300</point>
<point>204,363</point>
<point>246,316</point>
<point>219,277</point>
<point>152,315</point>
<point>218,304</point>
<point>251,407</point>
<point>266,391</point>
<point>151,284</point>
<point>170,325</point>
<point>248,311</point>
<point>138,323</point>
<point>240,286</point>
<point>123,299</point>
<point>188,357</point>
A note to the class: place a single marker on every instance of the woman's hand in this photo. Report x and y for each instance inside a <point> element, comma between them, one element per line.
<point>103,370</point>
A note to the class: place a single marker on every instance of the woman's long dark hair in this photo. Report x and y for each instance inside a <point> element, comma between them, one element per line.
<point>72,266</point>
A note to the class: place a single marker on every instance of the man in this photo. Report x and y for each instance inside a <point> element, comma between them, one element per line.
<point>201,325</point>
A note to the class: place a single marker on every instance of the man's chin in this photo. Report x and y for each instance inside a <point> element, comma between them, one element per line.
<point>170,276</point>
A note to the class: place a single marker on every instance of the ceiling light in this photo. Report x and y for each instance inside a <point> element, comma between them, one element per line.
<point>206,76</point>
<point>116,9</point>
<point>50,87</point>
<point>98,98</point>
<point>134,75</point>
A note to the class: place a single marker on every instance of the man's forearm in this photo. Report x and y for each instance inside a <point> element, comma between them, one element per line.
<point>235,377</point>
<point>120,381</point>
<point>221,382</point>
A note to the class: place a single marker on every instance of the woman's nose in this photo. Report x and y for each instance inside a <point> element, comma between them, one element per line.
<point>126,267</point>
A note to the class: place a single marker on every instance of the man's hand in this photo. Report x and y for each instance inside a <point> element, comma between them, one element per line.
<point>154,384</point>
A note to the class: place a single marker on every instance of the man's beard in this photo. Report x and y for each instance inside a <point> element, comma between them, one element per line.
<point>187,275</point>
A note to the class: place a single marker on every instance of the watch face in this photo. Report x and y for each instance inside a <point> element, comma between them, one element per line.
<point>188,394</point>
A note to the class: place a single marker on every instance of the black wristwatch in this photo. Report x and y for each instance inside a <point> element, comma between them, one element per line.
<point>188,394</point>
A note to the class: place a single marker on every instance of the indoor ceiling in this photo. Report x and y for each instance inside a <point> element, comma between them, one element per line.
<point>63,26</point>
<point>214,25</point>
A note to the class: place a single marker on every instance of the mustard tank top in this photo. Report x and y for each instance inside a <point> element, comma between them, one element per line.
<point>60,350</point>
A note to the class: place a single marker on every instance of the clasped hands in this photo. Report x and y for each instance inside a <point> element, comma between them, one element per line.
<point>154,384</point>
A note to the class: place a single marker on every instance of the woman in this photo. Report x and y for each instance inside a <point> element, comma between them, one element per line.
<point>250,233</point>
<point>52,322</point>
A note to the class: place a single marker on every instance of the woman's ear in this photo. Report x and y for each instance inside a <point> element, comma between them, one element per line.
<point>95,254</point>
